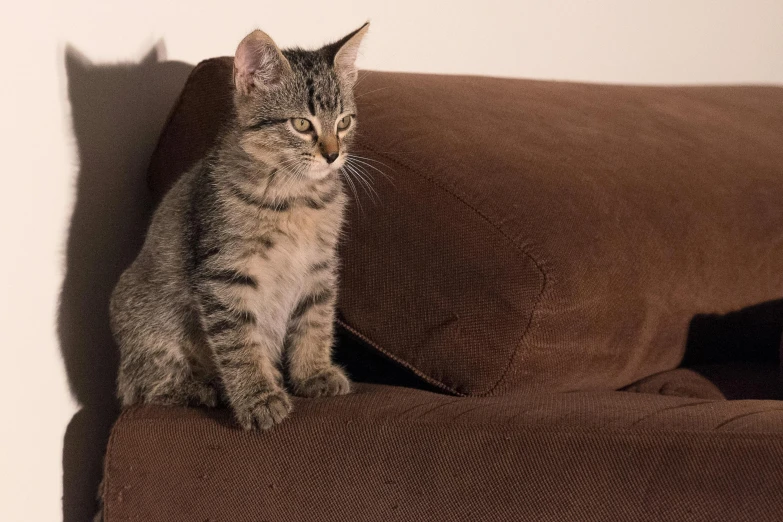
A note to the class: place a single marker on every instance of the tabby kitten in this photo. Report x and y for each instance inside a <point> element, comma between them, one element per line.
<point>236,281</point>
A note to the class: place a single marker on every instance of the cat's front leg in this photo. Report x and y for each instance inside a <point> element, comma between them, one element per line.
<point>309,346</point>
<point>246,349</point>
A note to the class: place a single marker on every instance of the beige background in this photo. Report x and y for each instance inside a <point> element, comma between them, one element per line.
<point>76,137</point>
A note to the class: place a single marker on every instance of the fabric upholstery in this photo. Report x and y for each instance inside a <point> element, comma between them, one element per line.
<point>681,382</point>
<point>387,453</point>
<point>541,234</point>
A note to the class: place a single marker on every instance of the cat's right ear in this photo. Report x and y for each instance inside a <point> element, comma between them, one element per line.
<point>258,63</point>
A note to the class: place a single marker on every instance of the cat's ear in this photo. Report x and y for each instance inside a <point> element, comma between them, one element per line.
<point>258,63</point>
<point>74,58</point>
<point>157,53</point>
<point>345,53</point>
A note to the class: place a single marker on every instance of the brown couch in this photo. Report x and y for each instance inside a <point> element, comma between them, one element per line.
<point>536,247</point>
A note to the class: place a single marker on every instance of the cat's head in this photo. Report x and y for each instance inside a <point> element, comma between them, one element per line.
<point>295,108</point>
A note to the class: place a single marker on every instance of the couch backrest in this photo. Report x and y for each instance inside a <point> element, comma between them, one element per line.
<point>540,234</point>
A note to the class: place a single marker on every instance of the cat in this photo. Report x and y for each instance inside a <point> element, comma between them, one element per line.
<point>232,296</point>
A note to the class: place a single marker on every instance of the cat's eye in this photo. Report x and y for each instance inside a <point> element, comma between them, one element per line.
<point>344,123</point>
<point>301,124</point>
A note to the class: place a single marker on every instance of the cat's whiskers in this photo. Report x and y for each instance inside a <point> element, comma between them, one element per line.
<point>360,80</point>
<point>347,177</point>
<point>354,155</point>
<point>287,163</point>
<point>295,176</point>
<point>364,182</point>
<point>293,166</point>
<point>362,177</point>
<point>276,191</point>
<point>366,179</point>
<point>361,160</point>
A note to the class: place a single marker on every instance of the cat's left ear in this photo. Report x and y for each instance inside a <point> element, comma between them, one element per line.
<point>345,52</point>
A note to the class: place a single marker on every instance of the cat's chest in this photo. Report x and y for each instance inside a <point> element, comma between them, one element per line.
<point>309,231</point>
<point>295,242</point>
<point>306,227</point>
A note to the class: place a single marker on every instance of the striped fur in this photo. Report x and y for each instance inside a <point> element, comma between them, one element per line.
<point>232,296</point>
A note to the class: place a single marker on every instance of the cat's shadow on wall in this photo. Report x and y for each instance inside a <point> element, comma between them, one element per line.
<point>117,113</point>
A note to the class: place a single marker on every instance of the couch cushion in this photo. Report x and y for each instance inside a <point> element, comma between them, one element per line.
<point>542,234</point>
<point>388,453</point>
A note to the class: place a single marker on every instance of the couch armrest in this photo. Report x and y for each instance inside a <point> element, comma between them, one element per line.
<point>387,453</point>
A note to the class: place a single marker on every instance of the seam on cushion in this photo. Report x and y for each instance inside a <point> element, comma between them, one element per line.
<point>174,110</point>
<point>742,416</point>
<point>513,243</point>
<point>668,408</point>
<point>526,429</point>
<point>430,380</point>
<point>107,462</point>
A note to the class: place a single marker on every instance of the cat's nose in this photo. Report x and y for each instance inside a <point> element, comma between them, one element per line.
<point>330,148</point>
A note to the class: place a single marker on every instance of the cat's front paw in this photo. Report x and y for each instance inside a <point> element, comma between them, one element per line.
<point>326,383</point>
<point>203,394</point>
<point>269,408</point>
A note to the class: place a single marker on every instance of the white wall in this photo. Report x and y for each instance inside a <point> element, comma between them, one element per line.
<point>89,181</point>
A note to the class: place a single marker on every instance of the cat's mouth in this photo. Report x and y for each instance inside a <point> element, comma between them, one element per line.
<point>311,169</point>
<point>320,170</point>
